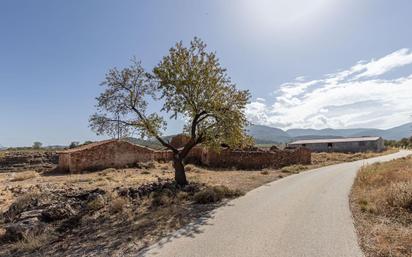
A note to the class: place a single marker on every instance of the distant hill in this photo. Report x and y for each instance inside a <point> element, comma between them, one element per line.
<point>267,135</point>
<point>264,134</point>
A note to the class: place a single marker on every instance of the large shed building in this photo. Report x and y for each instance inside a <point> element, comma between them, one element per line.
<point>353,144</point>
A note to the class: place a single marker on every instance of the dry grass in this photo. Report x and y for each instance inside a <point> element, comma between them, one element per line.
<point>30,242</point>
<point>323,159</point>
<point>215,194</point>
<point>118,204</point>
<point>381,202</point>
<point>294,168</point>
<point>24,176</point>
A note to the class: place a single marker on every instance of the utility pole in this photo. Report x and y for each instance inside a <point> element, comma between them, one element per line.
<point>118,126</point>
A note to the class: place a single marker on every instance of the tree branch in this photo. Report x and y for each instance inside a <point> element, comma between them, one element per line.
<point>153,133</point>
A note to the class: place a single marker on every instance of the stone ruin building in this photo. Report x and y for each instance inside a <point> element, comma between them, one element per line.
<point>121,153</point>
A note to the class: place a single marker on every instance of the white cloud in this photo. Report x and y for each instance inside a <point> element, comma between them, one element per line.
<point>356,97</point>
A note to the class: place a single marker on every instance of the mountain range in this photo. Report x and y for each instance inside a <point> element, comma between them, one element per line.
<point>267,135</point>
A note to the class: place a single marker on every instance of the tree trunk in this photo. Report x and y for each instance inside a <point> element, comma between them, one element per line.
<point>180,175</point>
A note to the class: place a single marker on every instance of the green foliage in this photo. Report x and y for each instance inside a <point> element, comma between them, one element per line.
<point>73,145</point>
<point>194,85</point>
<point>403,143</point>
<point>37,145</point>
<point>189,83</point>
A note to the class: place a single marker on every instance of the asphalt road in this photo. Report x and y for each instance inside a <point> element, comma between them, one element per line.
<point>301,215</point>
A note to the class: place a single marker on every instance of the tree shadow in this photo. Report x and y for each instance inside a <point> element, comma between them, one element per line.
<point>127,234</point>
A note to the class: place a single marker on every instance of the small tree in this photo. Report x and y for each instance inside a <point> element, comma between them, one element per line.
<point>37,145</point>
<point>74,144</point>
<point>190,83</point>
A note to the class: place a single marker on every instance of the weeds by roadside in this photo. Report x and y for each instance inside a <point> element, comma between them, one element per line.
<point>381,202</point>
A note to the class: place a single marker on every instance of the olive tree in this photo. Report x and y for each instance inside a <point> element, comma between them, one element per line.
<point>190,83</point>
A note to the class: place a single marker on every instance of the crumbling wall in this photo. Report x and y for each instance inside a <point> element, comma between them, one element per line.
<point>119,154</point>
<point>28,160</point>
<point>115,154</point>
<point>179,141</point>
<point>240,159</point>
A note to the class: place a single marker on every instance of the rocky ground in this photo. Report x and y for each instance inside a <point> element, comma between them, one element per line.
<point>73,221</point>
<point>114,212</point>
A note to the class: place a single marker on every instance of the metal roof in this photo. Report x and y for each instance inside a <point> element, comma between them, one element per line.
<point>334,140</point>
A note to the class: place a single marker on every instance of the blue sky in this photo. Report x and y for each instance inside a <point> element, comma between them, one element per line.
<point>54,54</point>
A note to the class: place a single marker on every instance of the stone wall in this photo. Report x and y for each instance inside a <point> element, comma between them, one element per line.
<point>251,159</point>
<point>107,154</point>
<point>28,160</point>
<point>179,141</point>
<point>119,154</point>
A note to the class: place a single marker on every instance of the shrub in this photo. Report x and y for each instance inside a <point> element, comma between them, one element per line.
<point>365,206</point>
<point>24,176</point>
<point>96,204</point>
<point>225,192</point>
<point>294,168</point>
<point>400,195</point>
<point>215,194</point>
<point>182,196</point>
<point>149,165</point>
<point>30,242</point>
<point>161,198</point>
<point>145,172</point>
<point>264,172</point>
<point>206,196</point>
<point>118,204</point>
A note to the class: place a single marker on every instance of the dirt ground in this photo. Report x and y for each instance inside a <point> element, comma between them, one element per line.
<point>381,203</point>
<point>125,225</point>
<point>136,225</point>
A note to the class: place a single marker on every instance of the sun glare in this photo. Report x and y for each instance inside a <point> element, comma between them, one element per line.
<point>270,15</point>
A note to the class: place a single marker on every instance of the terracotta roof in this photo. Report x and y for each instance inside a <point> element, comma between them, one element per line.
<point>88,146</point>
<point>334,140</point>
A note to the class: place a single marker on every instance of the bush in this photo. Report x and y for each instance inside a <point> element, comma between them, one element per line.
<point>215,194</point>
<point>400,195</point>
<point>182,196</point>
<point>149,165</point>
<point>294,168</point>
<point>30,242</point>
<point>264,172</point>
<point>96,204</point>
<point>161,198</point>
<point>225,192</point>
<point>206,196</point>
<point>118,204</point>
